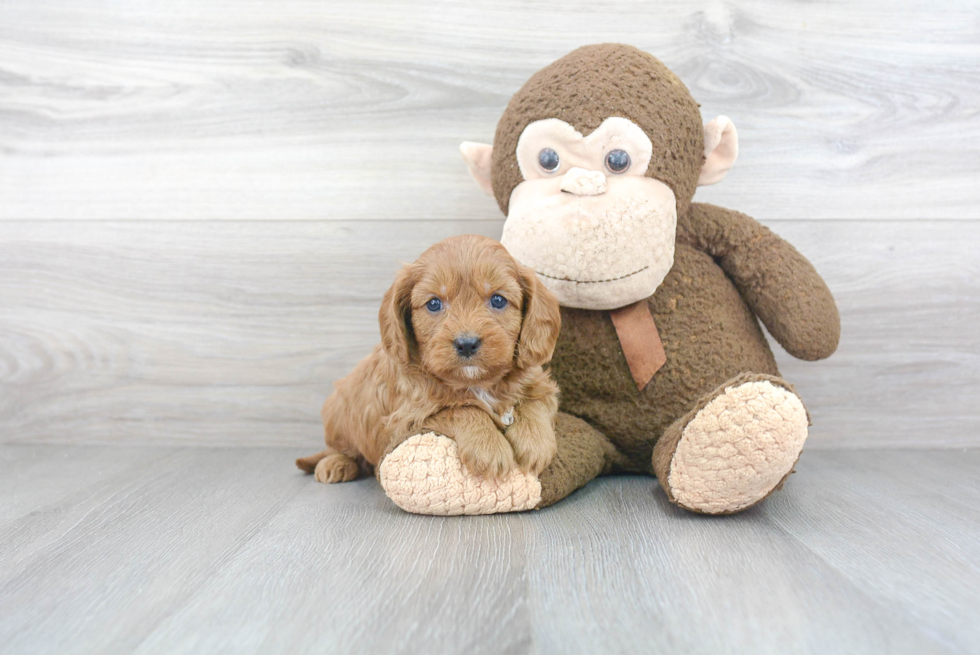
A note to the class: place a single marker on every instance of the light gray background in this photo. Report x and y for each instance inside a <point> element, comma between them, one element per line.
<point>266,169</point>
<point>202,201</point>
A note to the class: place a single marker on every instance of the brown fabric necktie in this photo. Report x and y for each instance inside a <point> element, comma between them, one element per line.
<point>640,341</point>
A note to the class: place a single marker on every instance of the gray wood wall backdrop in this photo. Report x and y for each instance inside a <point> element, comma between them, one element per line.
<point>202,201</point>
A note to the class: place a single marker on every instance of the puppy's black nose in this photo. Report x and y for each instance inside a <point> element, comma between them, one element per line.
<point>466,345</point>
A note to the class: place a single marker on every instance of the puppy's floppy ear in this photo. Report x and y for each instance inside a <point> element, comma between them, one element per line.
<point>395,318</point>
<point>542,322</point>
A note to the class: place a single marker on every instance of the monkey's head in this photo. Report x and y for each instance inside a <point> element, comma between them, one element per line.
<point>593,160</point>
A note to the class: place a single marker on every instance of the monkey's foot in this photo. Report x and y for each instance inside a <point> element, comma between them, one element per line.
<point>423,475</point>
<point>735,448</point>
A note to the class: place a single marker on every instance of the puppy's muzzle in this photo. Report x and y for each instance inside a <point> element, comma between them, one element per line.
<point>466,345</point>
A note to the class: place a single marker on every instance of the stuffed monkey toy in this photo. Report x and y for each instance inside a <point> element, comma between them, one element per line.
<point>662,365</point>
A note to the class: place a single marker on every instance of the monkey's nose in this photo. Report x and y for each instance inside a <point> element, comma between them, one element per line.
<point>583,183</point>
<point>466,345</point>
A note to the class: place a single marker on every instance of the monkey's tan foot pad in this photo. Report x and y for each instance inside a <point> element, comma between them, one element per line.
<point>423,475</point>
<point>738,448</point>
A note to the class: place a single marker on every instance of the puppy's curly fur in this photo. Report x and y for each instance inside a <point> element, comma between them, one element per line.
<point>496,401</point>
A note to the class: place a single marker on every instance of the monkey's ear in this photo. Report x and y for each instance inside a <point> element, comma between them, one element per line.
<point>478,160</point>
<point>720,150</point>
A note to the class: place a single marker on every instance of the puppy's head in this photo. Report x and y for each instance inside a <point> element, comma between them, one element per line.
<point>467,312</point>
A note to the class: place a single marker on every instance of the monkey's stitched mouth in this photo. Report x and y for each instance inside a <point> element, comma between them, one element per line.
<point>612,279</point>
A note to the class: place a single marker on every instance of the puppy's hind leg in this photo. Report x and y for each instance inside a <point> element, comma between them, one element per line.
<point>330,466</point>
<point>308,463</point>
<point>339,462</point>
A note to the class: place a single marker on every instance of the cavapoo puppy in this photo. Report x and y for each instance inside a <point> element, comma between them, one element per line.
<point>465,331</point>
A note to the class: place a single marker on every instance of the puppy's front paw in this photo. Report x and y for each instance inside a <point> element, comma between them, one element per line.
<point>486,455</point>
<point>534,445</point>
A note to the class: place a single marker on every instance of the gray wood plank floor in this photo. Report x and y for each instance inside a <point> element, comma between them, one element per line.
<point>232,109</point>
<point>191,550</point>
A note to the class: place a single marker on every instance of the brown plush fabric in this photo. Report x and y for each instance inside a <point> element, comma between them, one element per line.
<point>589,85</point>
<point>709,335</point>
<point>779,284</point>
<point>583,453</point>
<point>709,331</point>
<point>728,269</point>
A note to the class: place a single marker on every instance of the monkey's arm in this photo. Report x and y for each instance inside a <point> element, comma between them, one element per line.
<point>778,283</point>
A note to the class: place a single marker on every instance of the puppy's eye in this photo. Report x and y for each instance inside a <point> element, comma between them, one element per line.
<point>434,305</point>
<point>497,301</point>
<point>548,159</point>
<point>618,161</point>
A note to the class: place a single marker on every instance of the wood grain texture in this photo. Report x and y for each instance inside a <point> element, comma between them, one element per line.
<point>231,333</point>
<point>213,109</point>
<point>174,550</point>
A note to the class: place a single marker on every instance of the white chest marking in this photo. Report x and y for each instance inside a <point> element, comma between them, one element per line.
<point>484,396</point>
<point>507,418</point>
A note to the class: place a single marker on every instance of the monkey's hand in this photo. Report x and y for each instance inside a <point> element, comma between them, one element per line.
<point>778,283</point>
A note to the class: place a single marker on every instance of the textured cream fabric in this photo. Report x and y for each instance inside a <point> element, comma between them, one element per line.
<point>738,448</point>
<point>598,251</point>
<point>582,182</point>
<point>423,475</point>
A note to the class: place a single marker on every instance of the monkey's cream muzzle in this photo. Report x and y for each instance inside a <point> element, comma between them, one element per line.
<point>600,251</point>
<point>583,183</point>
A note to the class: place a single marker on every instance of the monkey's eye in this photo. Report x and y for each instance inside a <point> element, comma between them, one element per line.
<point>497,301</point>
<point>434,305</point>
<point>618,161</point>
<point>548,159</point>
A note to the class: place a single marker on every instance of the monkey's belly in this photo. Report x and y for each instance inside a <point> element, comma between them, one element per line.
<point>709,335</point>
